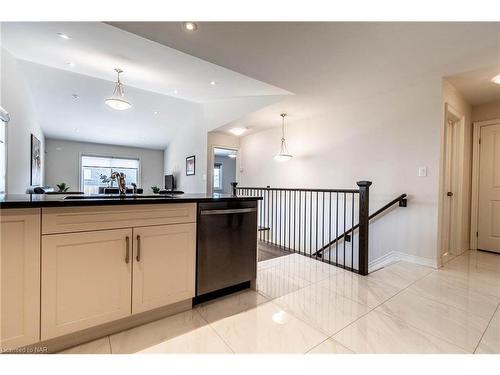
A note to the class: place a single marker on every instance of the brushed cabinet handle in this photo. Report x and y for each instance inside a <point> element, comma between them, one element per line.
<point>127,252</point>
<point>138,257</point>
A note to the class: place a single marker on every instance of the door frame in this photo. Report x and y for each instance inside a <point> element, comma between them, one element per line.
<point>449,110</point>
<point>474,208</point>
<point>210,165</point>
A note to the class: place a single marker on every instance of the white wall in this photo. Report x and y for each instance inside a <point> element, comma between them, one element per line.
<point>384,139</point>
<point>489,111</point>
<point>16,99</point>
<point>190,140</point>
<point>63,162</point>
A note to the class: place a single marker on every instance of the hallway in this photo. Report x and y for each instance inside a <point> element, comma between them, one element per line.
<point>304,306</point>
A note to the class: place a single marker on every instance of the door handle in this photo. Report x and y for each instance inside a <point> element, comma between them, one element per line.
<point>127,251</point>
<point>450,194</point>
<point>138,257</point>
<point>229,211</point>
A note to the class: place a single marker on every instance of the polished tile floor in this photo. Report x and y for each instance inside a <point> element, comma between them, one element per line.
<point>305,306</point>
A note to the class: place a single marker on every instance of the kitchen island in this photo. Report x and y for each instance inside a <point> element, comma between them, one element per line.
<point>76,268</point>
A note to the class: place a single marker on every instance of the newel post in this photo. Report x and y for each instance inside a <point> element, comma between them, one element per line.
<point>364,209</point>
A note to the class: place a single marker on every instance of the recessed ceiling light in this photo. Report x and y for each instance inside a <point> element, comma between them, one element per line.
<point>63,36</point>
<point>496,79</point>
<point>190,26</point>
<point>213,83</point>
<point>238,131</point>
<point>155,112</point>
<point>75,96</point>
<point>176,92</point>
<point>77,130</point>
<point>70,64</point>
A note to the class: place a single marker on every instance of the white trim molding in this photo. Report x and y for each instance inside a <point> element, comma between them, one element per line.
<point>396,256</point>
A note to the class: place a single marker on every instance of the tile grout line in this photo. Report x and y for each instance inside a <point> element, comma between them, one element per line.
<point>341,295</point>
<point>380,304</point>
<point>488,326</point>
<point>215,331</point>
<point>330,339</point>
<point>411,325</point>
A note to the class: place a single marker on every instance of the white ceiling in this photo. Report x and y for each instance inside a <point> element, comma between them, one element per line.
<point>97,49</point>
<point>156,78</point>
<point>329,65</point>
<point>476,86</point>
<point>88,119</point>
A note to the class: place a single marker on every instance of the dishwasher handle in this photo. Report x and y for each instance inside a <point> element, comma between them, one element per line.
<point>228,211</point>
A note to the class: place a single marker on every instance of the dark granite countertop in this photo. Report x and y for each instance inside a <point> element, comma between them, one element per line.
<point>62,200</point>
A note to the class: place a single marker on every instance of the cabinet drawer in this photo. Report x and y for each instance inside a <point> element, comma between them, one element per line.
<point>80,219</point>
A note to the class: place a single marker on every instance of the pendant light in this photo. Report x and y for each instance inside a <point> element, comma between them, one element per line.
<point>284,155</point>
<point>117,100</point>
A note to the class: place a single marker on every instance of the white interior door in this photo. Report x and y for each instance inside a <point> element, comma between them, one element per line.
<point>489,189</point>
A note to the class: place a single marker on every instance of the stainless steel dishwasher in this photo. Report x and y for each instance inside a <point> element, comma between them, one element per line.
<point>226,247</point>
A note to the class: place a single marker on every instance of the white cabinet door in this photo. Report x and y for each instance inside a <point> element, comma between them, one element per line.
<point>20,283</point>
<point>164,265</point>
<point>489,189</point>
<point>86,280</point>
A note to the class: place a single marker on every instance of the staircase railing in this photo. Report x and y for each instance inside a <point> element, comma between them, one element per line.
<point>319,223</point>
<point>347,234</point>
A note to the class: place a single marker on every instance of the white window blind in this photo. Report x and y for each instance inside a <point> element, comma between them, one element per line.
<point>94,168</point>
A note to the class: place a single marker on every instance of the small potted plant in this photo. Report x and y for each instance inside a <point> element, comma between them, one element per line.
<point>156,189</point>
<point>63,188</point>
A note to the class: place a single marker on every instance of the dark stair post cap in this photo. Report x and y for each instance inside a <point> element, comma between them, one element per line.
<point>364,183</point>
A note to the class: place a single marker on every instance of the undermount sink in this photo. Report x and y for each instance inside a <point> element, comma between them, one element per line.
<point>116,196</point>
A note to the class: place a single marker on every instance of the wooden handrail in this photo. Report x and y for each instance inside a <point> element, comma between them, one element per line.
<point>400,199</point>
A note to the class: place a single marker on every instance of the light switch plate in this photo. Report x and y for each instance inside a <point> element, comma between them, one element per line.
<point>422,172</point>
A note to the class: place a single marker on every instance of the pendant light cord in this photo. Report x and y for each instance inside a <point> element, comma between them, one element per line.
<point>283,126</point>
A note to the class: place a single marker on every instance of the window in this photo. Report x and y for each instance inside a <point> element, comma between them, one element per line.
<point>218,176</point>
<point>94,168</point>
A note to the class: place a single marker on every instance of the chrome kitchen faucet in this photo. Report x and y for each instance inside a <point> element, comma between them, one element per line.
<point>120,180</point>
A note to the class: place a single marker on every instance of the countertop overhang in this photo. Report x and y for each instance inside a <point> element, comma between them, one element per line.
<point>59,200</point>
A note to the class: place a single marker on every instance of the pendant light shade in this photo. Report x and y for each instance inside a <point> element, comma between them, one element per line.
<point>284,155</point>
<point>117,100</point>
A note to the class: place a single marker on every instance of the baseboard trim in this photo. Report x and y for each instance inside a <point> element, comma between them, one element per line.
<point>70,340</point>
<point>396,256</point>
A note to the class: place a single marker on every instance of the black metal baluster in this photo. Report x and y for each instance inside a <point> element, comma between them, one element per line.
<point>344,226</point>
<point>323,222</point>
<point>310,222</point>
<point>294,217</point>
<point>289,219</point>
<point>278,210</point>
<point>261,216</point>
<point>317,217</point>
<point>272,216</point>
<point>330,231</point>
<point>299,215</point>
<point>268,217</point>
<point>337,231</point>
<point>352,233</point>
